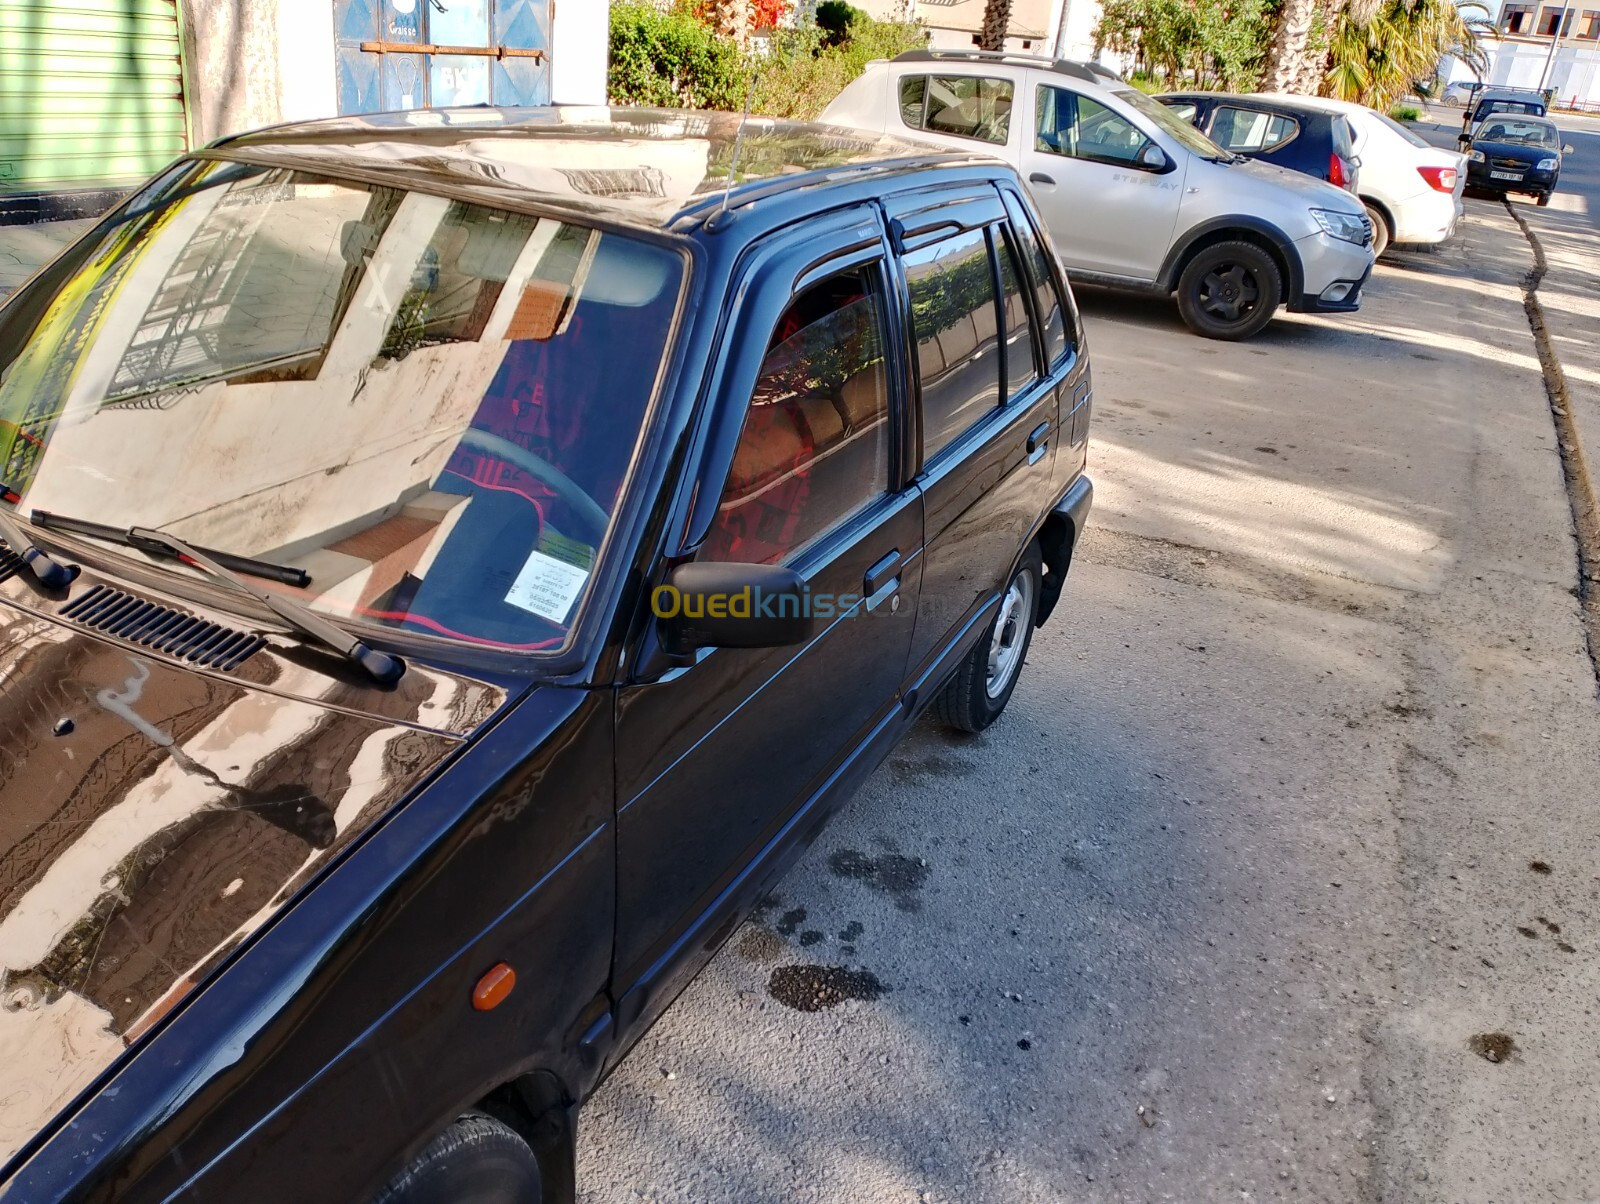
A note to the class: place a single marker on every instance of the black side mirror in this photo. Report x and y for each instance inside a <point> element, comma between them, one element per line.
<point>732,606</point>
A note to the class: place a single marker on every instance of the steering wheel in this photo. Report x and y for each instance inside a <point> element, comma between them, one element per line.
<point>591,517</point>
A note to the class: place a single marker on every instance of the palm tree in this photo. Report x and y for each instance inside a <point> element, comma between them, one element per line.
<point>730,19</point>
<point>1291,48</point>
<point>1378,60</point>
<point>996,21</point>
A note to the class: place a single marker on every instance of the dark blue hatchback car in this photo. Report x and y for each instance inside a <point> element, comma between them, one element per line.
<point>455,561</point>
<point>1274,129</point>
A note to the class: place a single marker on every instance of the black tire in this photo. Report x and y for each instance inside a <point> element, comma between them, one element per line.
<point>1381,234</point>
<point>972,699</point>
<point>1543,199</point>
<point>477,1160</point>
<point>1230,291</point>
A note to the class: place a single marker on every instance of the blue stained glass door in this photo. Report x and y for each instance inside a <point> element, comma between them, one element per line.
<point>377,72</point>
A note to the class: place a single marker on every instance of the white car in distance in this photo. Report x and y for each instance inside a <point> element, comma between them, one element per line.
<point>1412,191</point>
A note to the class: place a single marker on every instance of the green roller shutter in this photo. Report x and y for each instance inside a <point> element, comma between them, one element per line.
<point>91,95</point>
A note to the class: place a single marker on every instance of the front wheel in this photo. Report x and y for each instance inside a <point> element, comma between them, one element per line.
<point>1542,200</point>
<point>975,696</point>
<point>477,1160</point>
<point>1230,291</point>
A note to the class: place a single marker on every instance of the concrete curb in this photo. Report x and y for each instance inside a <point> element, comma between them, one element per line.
<point>1581,492</point>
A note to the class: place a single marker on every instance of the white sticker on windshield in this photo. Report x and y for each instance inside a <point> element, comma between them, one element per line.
<point>547,587</point>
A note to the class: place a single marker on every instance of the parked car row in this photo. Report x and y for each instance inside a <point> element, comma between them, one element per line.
<point>1136,197</point>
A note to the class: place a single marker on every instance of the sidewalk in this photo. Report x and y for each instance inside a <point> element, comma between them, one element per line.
<point>25,249</point>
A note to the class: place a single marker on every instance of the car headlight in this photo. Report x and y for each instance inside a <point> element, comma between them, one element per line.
<point>1476,156</point>
<point>1351,227</point>
<point>1546,164</point>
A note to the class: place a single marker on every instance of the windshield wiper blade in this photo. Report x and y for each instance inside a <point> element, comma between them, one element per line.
<point>288,574</point>
<point>50,573</point>
<point>383,668</point>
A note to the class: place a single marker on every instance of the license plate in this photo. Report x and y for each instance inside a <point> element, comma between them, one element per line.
<point>1505,175</point>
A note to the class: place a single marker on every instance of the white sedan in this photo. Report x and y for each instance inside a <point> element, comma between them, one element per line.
<point>1412,191</point>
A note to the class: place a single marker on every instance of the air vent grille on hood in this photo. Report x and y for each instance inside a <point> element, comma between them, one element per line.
<point>162,629</point>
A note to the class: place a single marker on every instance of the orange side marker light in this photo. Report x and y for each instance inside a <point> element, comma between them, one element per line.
<point>493,987</point>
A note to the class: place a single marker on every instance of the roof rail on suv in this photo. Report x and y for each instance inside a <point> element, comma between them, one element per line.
<point>1068,67</point>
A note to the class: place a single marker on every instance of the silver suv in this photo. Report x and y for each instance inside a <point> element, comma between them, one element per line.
<point>1134,196</point>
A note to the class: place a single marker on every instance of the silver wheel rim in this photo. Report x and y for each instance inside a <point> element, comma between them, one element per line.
<point>1010,634</point>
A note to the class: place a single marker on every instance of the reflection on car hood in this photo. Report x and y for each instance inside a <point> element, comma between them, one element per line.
<point>1314,192</point>
<point>151,819</point>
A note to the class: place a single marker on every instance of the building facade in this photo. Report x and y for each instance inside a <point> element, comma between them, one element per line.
<point>1059,28</point>
<point>97,95</point>
<point>1545,46</point>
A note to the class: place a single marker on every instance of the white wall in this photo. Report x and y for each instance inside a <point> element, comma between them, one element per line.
<point>579,51</point>
<point>250,63</point>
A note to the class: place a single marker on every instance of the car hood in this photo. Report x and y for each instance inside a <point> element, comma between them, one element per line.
<point>154,816</point>
<point>1516,150</point>
<point>1317,194</point>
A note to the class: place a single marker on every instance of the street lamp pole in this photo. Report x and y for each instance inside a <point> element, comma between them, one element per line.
<point>1555,44</point>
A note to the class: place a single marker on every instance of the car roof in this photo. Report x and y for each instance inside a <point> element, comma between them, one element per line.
<point>1092,73</point>
<point>644,167</point>
<point>1257,100</point>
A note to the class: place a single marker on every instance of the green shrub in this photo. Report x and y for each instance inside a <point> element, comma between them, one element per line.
<point>801,72</point>
<point>1405,113</point>
<point>669,59</point>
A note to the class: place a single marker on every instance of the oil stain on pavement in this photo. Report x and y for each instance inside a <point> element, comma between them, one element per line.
<point>813,988</point>
<point>898,877</point>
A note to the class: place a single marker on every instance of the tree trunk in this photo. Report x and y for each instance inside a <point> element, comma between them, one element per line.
<point>1286,58</point>
<point>731,19</point>
<point>996,20</point>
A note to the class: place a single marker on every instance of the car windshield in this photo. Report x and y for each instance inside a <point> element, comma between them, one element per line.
<point>1172,124</point>
<point>1519,133</point>
<point>431,406</point>
<point>1410,136</point>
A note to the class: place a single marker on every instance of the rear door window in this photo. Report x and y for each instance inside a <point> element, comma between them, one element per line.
<point>968,106</point>
<point>953,315</point>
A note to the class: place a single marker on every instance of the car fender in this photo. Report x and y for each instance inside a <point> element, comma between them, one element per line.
<point>1222,229</point>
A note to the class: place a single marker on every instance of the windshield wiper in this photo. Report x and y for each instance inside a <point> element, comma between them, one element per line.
<point>130,537</point>
<point>383,668</point>
<point>50,573</point>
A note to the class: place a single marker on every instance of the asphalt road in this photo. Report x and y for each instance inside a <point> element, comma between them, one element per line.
<point>1278,878</point>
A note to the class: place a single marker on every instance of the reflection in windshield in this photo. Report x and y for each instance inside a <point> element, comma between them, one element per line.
<point>429,404</point>
<point>1186,135</point>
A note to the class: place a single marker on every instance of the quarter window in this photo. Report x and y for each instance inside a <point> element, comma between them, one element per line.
<point>815,443</point>
<point>953,316</point>
<point>1047,299</point>
<point>1080,128</point>
<point>967,106</point>
<point>1250,131</point>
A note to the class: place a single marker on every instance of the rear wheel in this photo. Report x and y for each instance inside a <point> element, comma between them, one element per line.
<point>1230,291</point>
<point>1381,234</point>
<point>975,696</point>
<point>477,1160</point>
